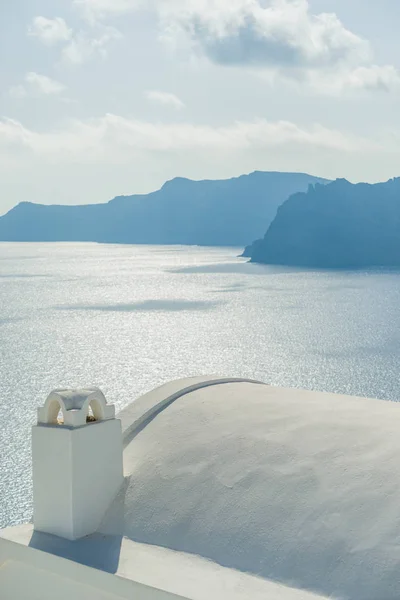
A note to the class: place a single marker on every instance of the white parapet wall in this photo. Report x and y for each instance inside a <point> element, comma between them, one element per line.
<point>30,574</point>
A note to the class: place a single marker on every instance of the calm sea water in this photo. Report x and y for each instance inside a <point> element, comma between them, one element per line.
<point>128,318</point>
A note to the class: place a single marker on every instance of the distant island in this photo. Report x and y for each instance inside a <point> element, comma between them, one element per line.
<point>339,225</point>
<point>230,212</point>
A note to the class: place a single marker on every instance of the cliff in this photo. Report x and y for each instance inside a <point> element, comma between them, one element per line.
<point>226,212</point>
<point>340,225</point>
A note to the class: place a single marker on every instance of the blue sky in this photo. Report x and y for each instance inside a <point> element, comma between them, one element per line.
<point>107,97</point>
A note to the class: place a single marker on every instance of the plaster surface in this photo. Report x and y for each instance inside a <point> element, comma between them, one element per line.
<point>33,563</point>
<point>139,413</point>
<point>238,489</point>
<point>77,472</point>
<point>298,487</point>
<point>177,575</point>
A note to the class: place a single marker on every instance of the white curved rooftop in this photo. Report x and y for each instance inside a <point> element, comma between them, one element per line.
<point>298,487</point>
<point>235,489</point>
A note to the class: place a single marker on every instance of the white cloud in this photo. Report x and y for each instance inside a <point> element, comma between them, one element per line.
<point>165,99</point>
<point>36,84</point>
<point>341,81</point>
<point>50,31</point>
<point>117,138</point>
<point>273,33</point>
<point>82,47</point>
<point>278,34</point>
<point>94,9</point>
<point>43,84</point>
<point>374,77</point>
<point>77,46</point>
<point>367,78</point>
<point>283,38</point>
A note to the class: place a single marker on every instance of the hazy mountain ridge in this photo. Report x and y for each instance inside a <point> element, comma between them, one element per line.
<point>339,225</point>
<point>229,212</point>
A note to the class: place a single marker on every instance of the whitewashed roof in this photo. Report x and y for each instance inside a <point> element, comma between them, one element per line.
<point>298,487</point>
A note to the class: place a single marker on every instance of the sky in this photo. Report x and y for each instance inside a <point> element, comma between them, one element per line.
<point>100,98</point>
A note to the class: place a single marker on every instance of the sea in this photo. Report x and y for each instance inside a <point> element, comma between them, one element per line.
<point>128,318</point>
